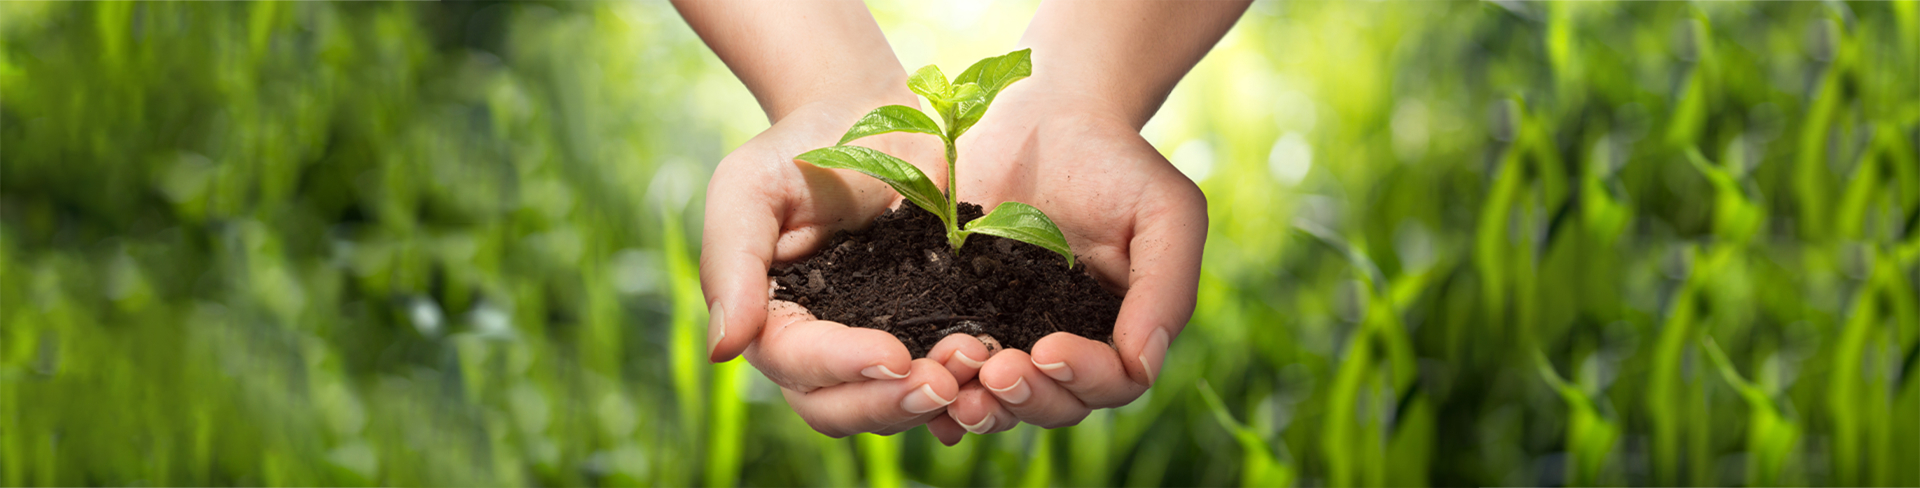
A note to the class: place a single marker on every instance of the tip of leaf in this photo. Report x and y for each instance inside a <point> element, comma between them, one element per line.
<point>809,156</point>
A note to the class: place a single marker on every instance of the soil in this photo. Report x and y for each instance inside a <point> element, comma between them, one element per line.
<point>900,276</point>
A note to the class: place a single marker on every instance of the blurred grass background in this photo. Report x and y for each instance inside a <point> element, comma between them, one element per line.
<point>1453,243</point>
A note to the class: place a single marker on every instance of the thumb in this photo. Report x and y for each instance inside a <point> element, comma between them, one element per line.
<point>736,248</point>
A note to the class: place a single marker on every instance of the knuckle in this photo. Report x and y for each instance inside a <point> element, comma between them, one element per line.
<point>1067,421</point>
<point>828,429</point>
<point>904,425</point>
<point>826,376</point>
<point>1189,192</point>
<point>1192,193</point>
<point>879,416</point>
<point>1110,402</point>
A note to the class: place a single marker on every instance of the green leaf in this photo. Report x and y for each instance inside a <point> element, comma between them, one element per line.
<point>992,75</point>
<point>902,176</point>
<point>951,100</point>
<point>995,73</point>
<point>965,98</point>
<point>1022,222</point>
<point>892,118</point>
<point>929,82</point>
<point>964,93</point>
<point>1260,467</point>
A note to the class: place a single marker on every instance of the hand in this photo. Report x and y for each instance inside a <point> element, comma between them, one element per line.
<point>1138,224</point>
<point>763,208</point>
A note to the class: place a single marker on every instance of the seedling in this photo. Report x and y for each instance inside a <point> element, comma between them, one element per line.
<point>960,104</point>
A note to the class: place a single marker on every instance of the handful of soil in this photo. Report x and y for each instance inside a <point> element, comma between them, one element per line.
<point>900,276</point>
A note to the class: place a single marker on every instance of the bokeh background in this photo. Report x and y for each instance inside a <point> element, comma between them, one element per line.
<point>1452,243</point>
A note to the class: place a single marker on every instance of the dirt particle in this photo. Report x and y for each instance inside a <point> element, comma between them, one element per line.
<point>993,345</point>
<point>815,281</point>
<point>985,266</point>
<point>935,263</point>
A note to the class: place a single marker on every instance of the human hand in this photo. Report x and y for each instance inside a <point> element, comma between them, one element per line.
<point>763,208</point>
<point>1138,224</point>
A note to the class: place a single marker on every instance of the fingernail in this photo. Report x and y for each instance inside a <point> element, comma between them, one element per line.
<point>969,361</point>
<point>1016,394</point>
<point>1154,355</point>
<point>1058,371</point>
<point>716,327</point>
<point>985,424</point>
<point>923,400</point>
<point>880,372</point>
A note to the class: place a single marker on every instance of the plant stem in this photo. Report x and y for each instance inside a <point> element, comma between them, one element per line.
<point>954,237</point>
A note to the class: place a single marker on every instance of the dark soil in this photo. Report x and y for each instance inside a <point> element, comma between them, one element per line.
<point>900,276</point>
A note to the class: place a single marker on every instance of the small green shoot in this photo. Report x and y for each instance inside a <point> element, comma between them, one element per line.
<point>960,104</point>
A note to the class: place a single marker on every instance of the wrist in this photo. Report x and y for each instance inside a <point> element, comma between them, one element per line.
<point>1077,77</point>
<point>1062,96</point>
<point>849,93</point>
<point>1129,54</point>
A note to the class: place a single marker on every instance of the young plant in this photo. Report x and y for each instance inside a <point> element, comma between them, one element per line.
<point>960,104</point>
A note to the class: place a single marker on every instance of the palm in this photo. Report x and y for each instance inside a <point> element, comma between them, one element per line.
<point>1135,220</point>
<point>1093,175</point>
<point>814,202</point>
<point>764,209</point>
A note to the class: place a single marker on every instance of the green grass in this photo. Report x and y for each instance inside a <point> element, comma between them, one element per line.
<point>1452,243</point>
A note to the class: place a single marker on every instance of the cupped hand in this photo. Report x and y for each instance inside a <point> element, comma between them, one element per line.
<point>1137,223</point>
<point>765,208</point>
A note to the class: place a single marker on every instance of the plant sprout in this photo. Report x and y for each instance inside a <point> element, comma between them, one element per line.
<point>960,104</point>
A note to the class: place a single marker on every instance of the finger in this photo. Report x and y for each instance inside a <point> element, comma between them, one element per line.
<point>1031,396</point>
<point>945,429</point>
<point>962,354</point>
<point>737,242</point>
<point>875,406</point>
<point>803,354</point>
<point>1163,281</point>
<point>764,208</point>
<point>977,411</point>
<point>1091,370</point>
<point>905,426</point>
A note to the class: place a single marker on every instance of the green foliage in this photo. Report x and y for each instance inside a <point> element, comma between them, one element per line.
<point>892,118</point>
<point>1261,467</point>
<point>1022,222</point>
<point>961,105</point>
<point>946,98</point>
<point>1454,244</point>
<point>1591,435</point>
<point>991,75</point>
<point>901,175</point>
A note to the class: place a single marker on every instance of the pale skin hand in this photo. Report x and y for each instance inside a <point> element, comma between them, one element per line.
<point>1067,141</point>
<point>1136,222</point>
<point>815,68</point>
